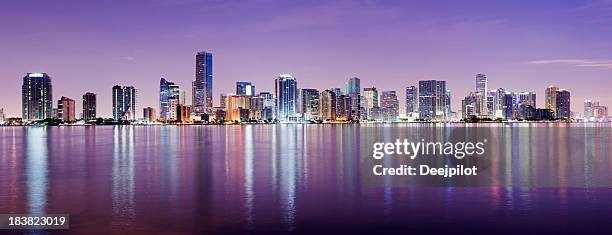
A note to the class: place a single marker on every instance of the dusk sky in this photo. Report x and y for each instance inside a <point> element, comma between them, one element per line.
<point>93,45</point>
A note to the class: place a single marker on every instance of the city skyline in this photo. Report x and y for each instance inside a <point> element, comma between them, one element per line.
<point>512,46</point>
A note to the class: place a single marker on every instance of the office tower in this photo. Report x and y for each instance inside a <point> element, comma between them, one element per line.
<point>468,106</point>
<point>328,105</point>
<point>370,97</point>
<point>286,98</point>
<point>550,99</point>
<point>164,94</point>
<point>447,106</point>
<point>499,100</point>
<point>148,114</point>
<point>124,103</point>
<point>2,117</point>
<point>89,106</point>
<point>600,112</point>
<point>169,98</point>
<point>481,93</point>
<point>182,97</point>
<point>237,108</point>
<point>269,106</point>
<point>508,106</point>
<point>355,106</point>
<point>203,84</point>
<point>527,98</point>
<point>223,100</point>
<point>36,97</point>
<point>433,99</point>
<point>245,88</point>
<point>66,109</point>
<point>353,86</point>
<point>389,105</point>
<point>412,101</point>
<point>589,111</point>
<point>343,107</point>
<point>337,91</point>
<point>310,104</point>
<point>256,108</point>
<point>183,113</point>
<point>562,104</point>
<point>174,100</point>
<point>491,103</point>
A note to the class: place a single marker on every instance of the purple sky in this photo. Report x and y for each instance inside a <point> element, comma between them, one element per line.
<point>520,45</point>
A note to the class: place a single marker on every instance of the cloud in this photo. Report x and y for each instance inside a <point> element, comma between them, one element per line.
<point>576,62</point>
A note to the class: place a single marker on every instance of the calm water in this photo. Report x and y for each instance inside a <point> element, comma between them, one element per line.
<point>261,179</point>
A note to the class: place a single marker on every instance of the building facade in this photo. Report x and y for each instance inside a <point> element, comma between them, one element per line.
<point>286,91</point>
<point>36,97</point>
<point>203,84</point>
<point>66,109</point>
<point>89,106</point>
<point>124,103</point>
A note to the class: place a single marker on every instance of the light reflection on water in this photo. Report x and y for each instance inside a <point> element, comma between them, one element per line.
<point>295,179</point>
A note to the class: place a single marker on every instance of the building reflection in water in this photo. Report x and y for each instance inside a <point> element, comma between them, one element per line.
<point>288,151</point>
<point>36,169</point>
<point>123,176</point>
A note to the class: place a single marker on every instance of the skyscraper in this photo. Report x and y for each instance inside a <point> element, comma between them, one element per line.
<point>370,97</point>
<point>89,106</point>
<point>328,105</point>
<point>481,93</point>
<point>66,109</point>
<point>412,101</point>
<point>245,88</point>
<point>286,98</point>
<point>589,111</point>
<point>550,100</point>
<point>527,98</point>
<point>203,84</point>
<point>353,86</point>
<point>389,105</point>
<point>562,104</point>
<point>148,114</point>
<point>36,97</point>
<point>124,103</point>
<point>310,104</point>
<point>164,93</point>
<point>269,106</point>
<point>169,97</point>
<point>433,99</point>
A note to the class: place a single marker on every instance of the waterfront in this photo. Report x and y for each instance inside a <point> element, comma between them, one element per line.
<point>290,178</point>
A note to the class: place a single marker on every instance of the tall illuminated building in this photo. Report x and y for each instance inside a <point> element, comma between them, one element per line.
<point>562,104</point>
<point>203,84</point>
<point>269,105</point>
<point>66,108</point>
<point>481,93</point>
<point>245,88</point>
<point>124,103</point>
<point>389,105</point>
<point>527,98</point>
<point>286,90</point>
<point>550,99</point>
<point>499,99</point>
<point>412,101</point>
<point>36,97</point>
<point>89,106</point>
<point>327,102</point>
<point>434,100</point>
<point>353,86</point>
<point>310,104</point>
<point>148,114</point>
<point>370,100</point>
